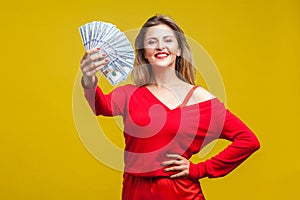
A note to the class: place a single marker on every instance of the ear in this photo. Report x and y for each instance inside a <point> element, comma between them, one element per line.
<point>142,53</point>
<point>145,56</point>
<point>178,52</point>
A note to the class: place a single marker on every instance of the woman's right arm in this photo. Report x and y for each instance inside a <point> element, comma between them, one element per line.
<point>90,64</point>
<point>101,104</point>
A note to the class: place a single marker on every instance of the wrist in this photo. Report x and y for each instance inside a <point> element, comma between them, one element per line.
<point>197,171</point>
<point>88,82</point>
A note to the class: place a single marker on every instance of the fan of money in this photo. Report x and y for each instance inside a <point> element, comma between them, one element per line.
<point>114,44</point>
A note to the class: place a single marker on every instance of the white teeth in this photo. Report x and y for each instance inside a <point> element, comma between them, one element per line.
<point>161,55</point>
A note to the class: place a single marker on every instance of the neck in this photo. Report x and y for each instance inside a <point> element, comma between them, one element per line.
<point>165,77</point>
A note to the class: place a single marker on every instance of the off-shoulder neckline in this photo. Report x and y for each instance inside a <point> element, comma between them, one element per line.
<point>202,103</point>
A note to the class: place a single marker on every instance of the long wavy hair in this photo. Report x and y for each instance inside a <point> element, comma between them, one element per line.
<point>142,71</point>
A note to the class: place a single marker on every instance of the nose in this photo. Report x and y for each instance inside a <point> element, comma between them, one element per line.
<point>160,45</point>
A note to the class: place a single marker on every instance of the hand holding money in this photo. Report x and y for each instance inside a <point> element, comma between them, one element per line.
<point>92,62</point>
<point>112,43</point>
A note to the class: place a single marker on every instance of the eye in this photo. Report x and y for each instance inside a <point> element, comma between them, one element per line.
<point>151,42</point>
<point>169,40</point>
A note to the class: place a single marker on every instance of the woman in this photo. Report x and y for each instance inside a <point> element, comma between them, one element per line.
<point>166,117</point>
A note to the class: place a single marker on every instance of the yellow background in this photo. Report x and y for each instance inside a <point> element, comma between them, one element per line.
<point>255,45</point>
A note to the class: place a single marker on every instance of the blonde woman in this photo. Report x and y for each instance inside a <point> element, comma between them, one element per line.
<point>167,118</point>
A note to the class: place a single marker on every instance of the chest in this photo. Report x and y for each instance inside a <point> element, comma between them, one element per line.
<point>148,117</point>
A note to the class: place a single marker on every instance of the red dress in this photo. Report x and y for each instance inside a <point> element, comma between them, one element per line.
<point>152,130</point>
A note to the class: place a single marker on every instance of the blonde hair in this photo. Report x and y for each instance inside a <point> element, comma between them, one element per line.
<point>142,71</point>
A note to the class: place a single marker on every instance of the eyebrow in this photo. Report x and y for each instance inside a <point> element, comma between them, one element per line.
<point>156,38</point>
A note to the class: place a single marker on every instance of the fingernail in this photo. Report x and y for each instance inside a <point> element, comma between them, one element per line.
<point>98,48</point>
<point>103,54</point>
<point>106,60</point>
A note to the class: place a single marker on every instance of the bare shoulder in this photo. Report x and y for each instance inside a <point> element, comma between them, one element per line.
<point>201,94</point>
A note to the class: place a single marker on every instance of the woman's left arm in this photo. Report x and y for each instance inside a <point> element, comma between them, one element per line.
<point>244,143</point>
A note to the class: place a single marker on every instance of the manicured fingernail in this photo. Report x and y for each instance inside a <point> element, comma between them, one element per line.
<point>98,48</point>
<point>106,60</point>
<point>103,54</point>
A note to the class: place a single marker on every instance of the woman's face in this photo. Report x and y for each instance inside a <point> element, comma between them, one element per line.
<point>161,46</point>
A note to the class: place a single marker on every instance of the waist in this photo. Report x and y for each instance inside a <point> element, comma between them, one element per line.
<point>160,188</point>
<point>159,173</point>
<point>147,164</point>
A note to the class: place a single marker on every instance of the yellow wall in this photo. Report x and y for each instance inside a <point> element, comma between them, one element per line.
<point>255,45</point>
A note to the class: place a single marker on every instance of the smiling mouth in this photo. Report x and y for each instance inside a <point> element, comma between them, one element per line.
<point>161,55</point>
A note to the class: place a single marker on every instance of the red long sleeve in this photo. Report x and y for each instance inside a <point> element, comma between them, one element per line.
<point>151,130</point>
<point>244,143</point>
<point>111,104</point>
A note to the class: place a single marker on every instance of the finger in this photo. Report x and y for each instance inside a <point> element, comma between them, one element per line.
<point>97,64</point>
<point>94,67</point>
<point>172,162</point>
<point>180,174</point>
<point>88,53</point>
<point>92,51</point>
<point>176,168</point>
<point>97,56</point>
<point>176,156</point>
<point>94,71</point>
<point>99,68</point>
<point>83,58</point>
